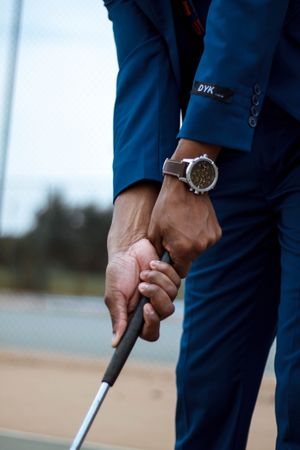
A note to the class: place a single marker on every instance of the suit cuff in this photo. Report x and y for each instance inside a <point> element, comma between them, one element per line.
<point>127,173</point>
<point>229,125</point>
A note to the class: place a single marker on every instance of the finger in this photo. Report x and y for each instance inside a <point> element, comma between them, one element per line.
<point>159,299</point>
<point>167,269</point>
<point>182,267</point>
<point>161,280</point>
<point>181,264</point>
<point>150,331</point>
<point>118,312</point>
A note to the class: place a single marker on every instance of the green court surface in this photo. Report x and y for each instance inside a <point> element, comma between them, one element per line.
<point>11,440</point>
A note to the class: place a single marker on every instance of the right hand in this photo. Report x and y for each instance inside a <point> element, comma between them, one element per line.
<point>160,283</point>
<point>183,223</point>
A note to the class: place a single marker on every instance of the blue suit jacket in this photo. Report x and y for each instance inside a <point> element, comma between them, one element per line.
<point>251,49</point>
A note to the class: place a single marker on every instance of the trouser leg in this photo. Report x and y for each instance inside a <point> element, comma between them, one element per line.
<point>288,339</point>
<point>232,296</point>
<point>231,300</point>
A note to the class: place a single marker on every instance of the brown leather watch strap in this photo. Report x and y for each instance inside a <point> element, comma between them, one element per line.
<point>175,168</point>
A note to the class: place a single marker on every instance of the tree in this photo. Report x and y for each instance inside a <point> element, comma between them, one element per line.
<point>63,236</point>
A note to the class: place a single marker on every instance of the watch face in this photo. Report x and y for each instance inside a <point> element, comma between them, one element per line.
<point>202,175</point>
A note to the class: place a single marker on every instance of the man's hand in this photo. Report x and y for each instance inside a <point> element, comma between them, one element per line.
<point>133,268</point>
<point>137,272</point>
<point>122,294</point>
<point>183,223</point>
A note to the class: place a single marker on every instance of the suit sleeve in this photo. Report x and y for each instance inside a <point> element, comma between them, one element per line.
<point>147,111</point>
<point>232,77</point>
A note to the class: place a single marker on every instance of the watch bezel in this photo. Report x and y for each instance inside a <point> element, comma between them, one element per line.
<point>189,170</point>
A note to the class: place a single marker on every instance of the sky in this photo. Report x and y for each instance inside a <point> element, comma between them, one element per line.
<point>61,129</point>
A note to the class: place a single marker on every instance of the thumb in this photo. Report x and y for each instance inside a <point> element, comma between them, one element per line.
<point>119,318</point>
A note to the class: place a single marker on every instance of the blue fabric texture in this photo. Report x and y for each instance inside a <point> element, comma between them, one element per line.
<point>245,290</point>
<point>249,45</point>
<point>241,293</point>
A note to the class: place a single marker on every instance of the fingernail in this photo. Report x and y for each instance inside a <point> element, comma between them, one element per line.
<point>114,340</point>
<point>144,286</point>
<point>144,273</point>
<point>148,310</point>
<point>154,263</point>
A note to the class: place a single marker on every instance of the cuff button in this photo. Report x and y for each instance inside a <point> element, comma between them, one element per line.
<point>254,111</point>
<point>257,89</point>
<point>252,122</point>
<point>255,100</point>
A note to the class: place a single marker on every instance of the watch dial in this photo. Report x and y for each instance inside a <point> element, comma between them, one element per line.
<point>202,174</point>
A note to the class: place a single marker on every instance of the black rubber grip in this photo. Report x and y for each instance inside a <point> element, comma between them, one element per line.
<point>129,338</point>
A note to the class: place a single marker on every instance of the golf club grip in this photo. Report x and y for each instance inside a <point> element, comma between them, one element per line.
<point>129,338</point>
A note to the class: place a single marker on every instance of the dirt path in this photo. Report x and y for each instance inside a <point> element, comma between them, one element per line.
<point>49,395</point>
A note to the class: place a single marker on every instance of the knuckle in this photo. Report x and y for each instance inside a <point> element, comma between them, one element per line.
<point>170,310</point>
<point>200,246</point>
<point>173,292</point>
<point>153,290</point>
<point>167,311</point>
<point>158,306</point>
<point>151,333</point>
<point>152,276</point>
<point>211,239</point>
<point>214,236</point>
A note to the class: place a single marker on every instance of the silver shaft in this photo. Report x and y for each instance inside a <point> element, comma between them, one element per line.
<point>89,418</point>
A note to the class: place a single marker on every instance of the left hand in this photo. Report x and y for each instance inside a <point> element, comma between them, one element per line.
<point>134,272</point>
<point>183,223</point>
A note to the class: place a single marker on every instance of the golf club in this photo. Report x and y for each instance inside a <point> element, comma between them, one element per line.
<point>115,366</point>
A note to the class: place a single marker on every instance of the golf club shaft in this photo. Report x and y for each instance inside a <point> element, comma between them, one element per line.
<point>89,418</point>
<point>115,365</point>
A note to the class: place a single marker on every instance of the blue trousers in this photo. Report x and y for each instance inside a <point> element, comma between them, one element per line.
<point>243,292</point>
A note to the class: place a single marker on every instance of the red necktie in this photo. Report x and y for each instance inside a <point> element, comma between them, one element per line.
<point>192,17</point>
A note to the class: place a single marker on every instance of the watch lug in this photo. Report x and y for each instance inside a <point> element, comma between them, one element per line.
<point>183,179</point>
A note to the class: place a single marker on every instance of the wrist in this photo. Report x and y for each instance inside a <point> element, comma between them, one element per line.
<point>131,216</point>
<point>194,165</point>
<point>187,148</point>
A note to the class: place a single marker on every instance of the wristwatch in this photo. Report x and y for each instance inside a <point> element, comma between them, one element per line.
<point>201,173</point>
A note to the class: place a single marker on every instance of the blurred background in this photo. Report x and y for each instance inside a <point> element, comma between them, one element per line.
<point>57,86</point>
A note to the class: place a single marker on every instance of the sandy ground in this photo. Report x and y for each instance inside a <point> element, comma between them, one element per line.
<point>49,395</point>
